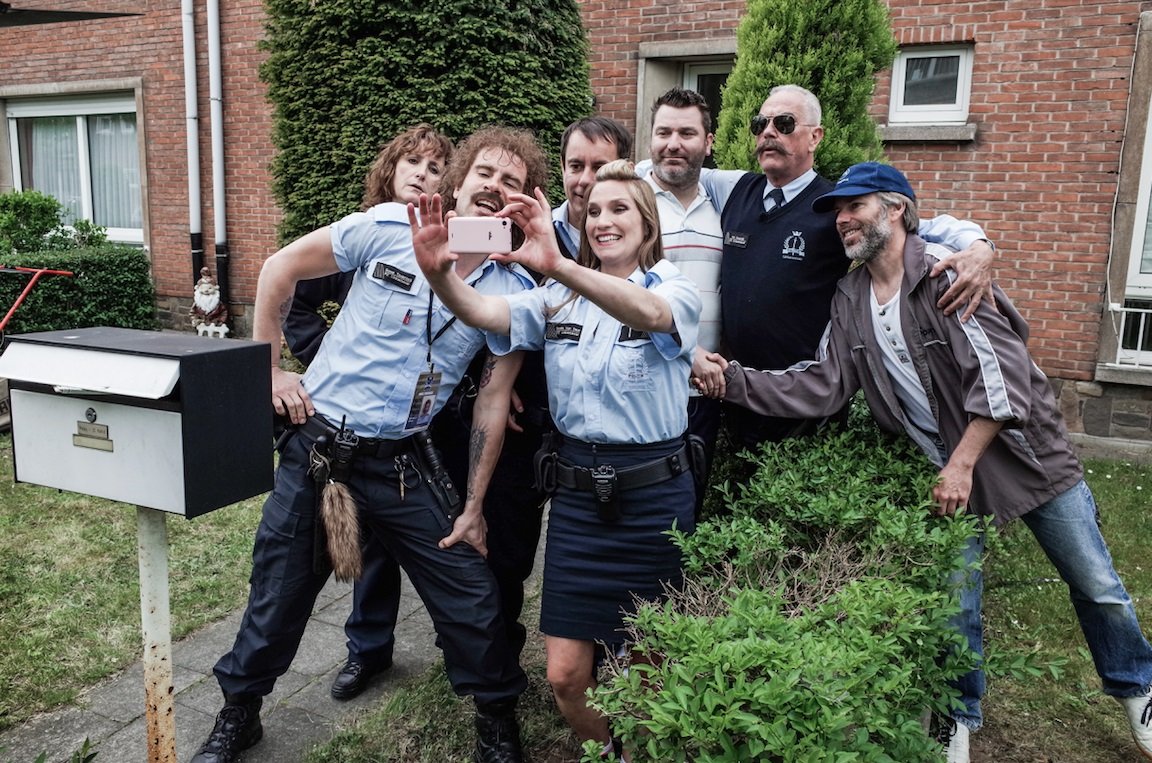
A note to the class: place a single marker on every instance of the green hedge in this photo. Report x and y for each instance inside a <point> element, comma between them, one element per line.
<point>346,76</point>
<point>814,618</point>
<point>111,286</point>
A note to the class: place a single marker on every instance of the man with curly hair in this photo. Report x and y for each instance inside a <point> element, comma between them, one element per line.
<point>359,423</point>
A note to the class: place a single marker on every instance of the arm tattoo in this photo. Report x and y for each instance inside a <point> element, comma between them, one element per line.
<point>285,308</point>
<point>476,445</point>
<point>486,374</point>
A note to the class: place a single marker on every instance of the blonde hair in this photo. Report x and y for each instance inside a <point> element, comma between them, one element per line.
<point>651,248</point>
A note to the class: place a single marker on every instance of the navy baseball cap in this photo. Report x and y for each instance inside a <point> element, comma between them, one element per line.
<point>865,178</point>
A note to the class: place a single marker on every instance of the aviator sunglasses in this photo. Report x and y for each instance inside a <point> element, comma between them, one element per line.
<point>785,124</point>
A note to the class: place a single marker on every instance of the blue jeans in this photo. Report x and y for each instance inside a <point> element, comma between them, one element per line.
<point>1066,527</point>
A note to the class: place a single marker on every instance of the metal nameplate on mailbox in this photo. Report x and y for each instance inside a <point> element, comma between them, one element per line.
<point>93,436</point>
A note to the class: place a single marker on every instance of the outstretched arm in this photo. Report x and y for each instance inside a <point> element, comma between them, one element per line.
<point>625,301</point>
<point>430,243</point>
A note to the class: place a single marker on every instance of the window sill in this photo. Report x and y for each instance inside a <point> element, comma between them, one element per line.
<point>1117,374</point>
<point>909,133</point>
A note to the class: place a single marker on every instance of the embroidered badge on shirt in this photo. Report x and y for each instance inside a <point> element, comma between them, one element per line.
<point>394,275</point>
<point>794,246</point>
<point>555,332</point>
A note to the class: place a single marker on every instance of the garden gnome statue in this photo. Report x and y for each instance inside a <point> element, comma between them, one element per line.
<point>209,315</point>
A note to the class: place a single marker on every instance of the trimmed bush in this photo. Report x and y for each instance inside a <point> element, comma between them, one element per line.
<point>112,286</point>
<point>814,620</point>
<point>345,76</point>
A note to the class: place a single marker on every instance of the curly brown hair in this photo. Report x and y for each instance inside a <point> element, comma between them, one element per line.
<point>511,140</point>
<point>422,139</point>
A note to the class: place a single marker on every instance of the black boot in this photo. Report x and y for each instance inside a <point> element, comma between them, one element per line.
<point>497,734</point>
<point>237,728</point>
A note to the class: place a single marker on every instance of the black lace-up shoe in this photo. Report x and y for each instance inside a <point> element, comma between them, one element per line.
<point>354,677</point>
<point>498,736</point>
<point>237,728</point>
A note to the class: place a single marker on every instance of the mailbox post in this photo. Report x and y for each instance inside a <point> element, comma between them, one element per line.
<point>173,423</point>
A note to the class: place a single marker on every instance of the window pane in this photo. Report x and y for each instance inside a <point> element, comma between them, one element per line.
<point>115,170</point>
<point>931,81</point>
<point>49,160</point>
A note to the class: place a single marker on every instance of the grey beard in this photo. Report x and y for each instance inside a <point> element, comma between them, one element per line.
<point>873,239</point>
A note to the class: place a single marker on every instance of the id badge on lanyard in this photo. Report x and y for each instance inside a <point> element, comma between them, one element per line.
<point>423,401</point>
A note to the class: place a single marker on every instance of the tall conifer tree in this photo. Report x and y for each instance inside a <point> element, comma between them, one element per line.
<point>833,48</point>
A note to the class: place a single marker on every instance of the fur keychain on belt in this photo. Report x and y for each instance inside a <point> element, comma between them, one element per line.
<point>331,468</point>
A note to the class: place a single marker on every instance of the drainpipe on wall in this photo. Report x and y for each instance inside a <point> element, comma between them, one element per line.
<point>217,118</point>
<point>192,116</point>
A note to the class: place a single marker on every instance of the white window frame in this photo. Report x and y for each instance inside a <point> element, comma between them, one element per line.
<point>1139,285</point>
<point>80,107</point>
<point>934,114</point>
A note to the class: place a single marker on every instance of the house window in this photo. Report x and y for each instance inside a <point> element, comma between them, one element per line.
<point>84,152</point>
<point>931,85</point>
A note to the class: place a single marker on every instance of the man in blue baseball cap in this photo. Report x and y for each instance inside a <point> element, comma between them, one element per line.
<point>969,395</point>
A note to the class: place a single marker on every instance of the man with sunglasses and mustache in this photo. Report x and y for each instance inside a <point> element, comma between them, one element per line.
<point>781,260</point>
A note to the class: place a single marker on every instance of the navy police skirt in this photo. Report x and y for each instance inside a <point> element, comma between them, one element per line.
<point>594,569</point>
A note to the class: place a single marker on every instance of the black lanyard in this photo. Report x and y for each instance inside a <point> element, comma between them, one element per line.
<point>428,329</point>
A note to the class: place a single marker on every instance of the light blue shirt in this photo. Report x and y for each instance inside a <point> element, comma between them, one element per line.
<point>607,383</point>
<point>942,229</point>
<point>368,365</point>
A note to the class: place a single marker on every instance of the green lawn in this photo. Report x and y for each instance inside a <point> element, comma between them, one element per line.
<point>69,616</point>
<point>69,586</point>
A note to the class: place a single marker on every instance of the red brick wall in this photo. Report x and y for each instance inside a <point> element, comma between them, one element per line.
<point>616,28</point>
<point>149,47</point>
<point>1049,100</point>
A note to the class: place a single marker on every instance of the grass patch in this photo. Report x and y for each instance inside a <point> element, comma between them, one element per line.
<point>69,586</point>
<point>69,616</point>
<point>424,722</point>
<point>1050,706</point>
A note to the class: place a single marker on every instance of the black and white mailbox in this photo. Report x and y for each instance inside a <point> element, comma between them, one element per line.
<point>174,422</point>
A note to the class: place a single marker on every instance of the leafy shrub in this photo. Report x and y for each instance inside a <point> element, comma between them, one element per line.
<point>111,286</point>
<point>345,76</point>
<point>30,221</point>
<point>813,624</point>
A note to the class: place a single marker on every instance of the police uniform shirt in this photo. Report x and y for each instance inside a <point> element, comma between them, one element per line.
<point>608,383</point>
<point>368,366</point>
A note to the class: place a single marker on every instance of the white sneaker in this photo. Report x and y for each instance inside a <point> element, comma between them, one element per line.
<point>954,736</point>
<point>1139,711</point>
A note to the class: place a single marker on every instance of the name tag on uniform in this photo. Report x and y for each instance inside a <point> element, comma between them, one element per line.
<point>554,332</point>
<point>629,334</point>
<point>394,275</point>
<point>738,240</point>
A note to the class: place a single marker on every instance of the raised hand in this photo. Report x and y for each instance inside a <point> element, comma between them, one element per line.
<point>430,236</point>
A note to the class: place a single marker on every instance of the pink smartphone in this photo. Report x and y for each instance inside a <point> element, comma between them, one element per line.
<point>479,235</point>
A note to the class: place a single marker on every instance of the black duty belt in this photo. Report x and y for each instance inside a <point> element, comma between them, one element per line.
<point>316,427</point>
<point>628,478</point>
